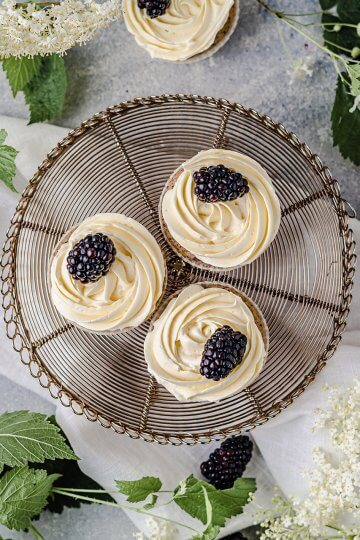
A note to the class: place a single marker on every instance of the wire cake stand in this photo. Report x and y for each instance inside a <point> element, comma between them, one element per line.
<point>118,161</point>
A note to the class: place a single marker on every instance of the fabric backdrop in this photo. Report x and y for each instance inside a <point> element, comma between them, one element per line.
<point>283,445</point>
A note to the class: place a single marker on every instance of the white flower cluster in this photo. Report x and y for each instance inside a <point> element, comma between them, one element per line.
<point>332,508</point>
<point>29,29</point>
<point>160,530</point>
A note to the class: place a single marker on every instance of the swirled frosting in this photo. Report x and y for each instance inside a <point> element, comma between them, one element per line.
<point>188,27</point>
<point>174,347</point>
<point>223,234</point>
<point>127,294</point>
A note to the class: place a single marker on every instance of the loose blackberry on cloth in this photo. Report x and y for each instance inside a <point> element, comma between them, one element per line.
<point>282,446</point>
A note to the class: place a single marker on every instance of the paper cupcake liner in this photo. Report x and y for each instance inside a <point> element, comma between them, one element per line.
<point>64,240</point>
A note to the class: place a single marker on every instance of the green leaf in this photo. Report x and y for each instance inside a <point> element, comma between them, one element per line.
<point>23,495</point>
<point>71,476</point>
<point>346,37</point>
<point>327,4</point>
<point>45,93</point>
<point>152,502</point>
<point>349,10</point>
<point>30,437</point>
<point>225,503</point>
<point>345,124</point>
<point>210,533</point>
<point>20,71</point>
<point>139,490</point>
<point>7,162</point>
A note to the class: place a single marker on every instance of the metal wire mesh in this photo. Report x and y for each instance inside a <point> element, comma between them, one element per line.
<point>118,161</point>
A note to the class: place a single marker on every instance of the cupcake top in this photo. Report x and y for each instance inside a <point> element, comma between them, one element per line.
<point>128,292</point>
<point>175,346</point>
<point>187,28</point>
<point>224,233</point>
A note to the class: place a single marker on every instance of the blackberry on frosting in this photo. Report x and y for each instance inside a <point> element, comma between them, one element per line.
<point>91,258</point>
<point>223,351</point>
<point>219,183</point>
<point>154,8</point>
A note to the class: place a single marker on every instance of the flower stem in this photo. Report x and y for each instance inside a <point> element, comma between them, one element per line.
<point>36,534</point>
<point>61,491</point>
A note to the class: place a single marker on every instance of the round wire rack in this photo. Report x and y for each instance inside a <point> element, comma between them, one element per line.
<point>119,161</point>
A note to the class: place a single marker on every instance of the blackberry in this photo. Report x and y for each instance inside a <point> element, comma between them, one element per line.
<point>154,8</point>
<point>218,183</point>
<point>223,351</point>
<point>228,462</point>
<point>91,258</point>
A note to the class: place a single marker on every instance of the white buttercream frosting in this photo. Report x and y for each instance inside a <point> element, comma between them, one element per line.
<point>174,347</point>
<point>223,234</point>
<point>123,298</point>
<point>188,27</point>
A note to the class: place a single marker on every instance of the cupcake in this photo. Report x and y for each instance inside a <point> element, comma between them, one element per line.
<point>107,274</point>
<point>206,343</point>
<point>219,210</point>
<point>181,30</point>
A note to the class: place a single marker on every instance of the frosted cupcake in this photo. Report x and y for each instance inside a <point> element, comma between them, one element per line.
<point>219,210</point>
<point>206,343</point>
<point>107,274</point>
<point>181,30</point>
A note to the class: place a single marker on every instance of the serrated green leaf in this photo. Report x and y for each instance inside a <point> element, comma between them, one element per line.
<point>23,495</point>
<point>225,503</point>
<point>346,37</point>
<point>20,71</point>
<point>349,10</point>
<point>327,4</point>
<point>71,476</point>
<point>346,124</point>
<point>210,533</point>
<point>152,502</point>
<point>139,490</point>
<point>45,93</point>
<point>7,162</point>
<point>30,437</point>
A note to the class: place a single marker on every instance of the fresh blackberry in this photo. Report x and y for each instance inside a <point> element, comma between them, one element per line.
<point>154,8</point>
<point>91,258</point>
<point>228,462</point>
<point>218,183</point>
<point>223,351</point>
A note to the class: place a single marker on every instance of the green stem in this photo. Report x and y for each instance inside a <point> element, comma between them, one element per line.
<point>36,534</point>
<point>337,46</point>
<point>61,491</point>
<point>327,24</point>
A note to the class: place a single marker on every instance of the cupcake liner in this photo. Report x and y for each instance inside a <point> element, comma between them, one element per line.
<point>221,38</point>
<point>183,253</point>
<point>64,239</point>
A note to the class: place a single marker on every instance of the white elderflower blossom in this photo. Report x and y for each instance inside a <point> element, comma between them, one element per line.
<point>159,530</point>
<point>302,68</point>
<point>332,507</point>
<point>28,29</point>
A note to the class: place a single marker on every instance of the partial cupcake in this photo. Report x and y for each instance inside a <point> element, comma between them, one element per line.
<point>206,343</point>
<point>107,274</point>
<point>178,30</point>
<point>219,210</point>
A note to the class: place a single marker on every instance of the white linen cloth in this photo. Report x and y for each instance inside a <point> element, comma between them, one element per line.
<point>285,442</point>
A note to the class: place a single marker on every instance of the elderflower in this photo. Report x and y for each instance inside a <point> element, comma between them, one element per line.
<point>159,530</point>
<point>302,68</point>
<point>332,506</point>
<point>29,29</point>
